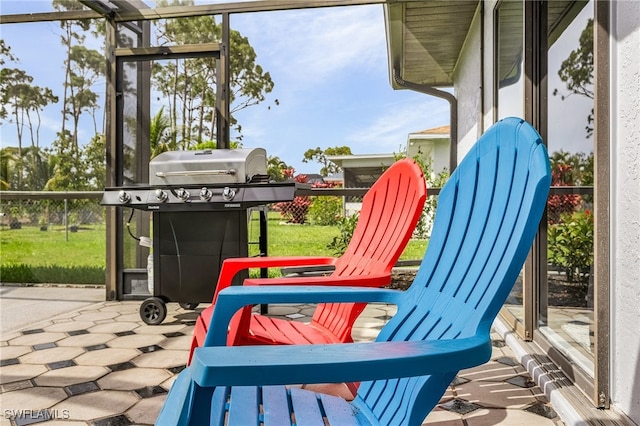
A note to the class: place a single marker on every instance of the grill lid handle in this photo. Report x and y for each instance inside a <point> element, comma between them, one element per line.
<point>196,173</point>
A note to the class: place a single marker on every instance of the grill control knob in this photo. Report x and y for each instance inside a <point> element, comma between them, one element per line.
<point>205,194</point>
<point>124,197</point>
<point>161,195</point>
<point>182,194</point>
<point>228,193</point>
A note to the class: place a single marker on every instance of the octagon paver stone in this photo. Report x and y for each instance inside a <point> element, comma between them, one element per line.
<point>67,326</point>
<point>114,327</point>
<point>133,379</point>
<point>146,411</point>
<point>36,339</point>
<point>84,340</point>
<point>109,356</point>
<point>96,405</point>
<point>9,352</point>
<point>19,372</point>
<point>160,329</point>
<point>48,356</point>
<point>32,398</point>
<point>136,341</point>
<point>162,359</point>
<point>95,316</point>
<point>71,375</point>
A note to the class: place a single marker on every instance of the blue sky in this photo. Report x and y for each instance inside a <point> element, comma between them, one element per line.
<point>330,72</point>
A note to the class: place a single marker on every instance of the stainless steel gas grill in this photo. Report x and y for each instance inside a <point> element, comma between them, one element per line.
<point>200,202</point>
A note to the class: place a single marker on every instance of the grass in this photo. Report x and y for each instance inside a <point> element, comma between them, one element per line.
<point>291,239</point>
<point>28,255</point>
<point>288,239</point>
<point>31,246</point>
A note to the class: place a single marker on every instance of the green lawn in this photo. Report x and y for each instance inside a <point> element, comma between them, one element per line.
<point>55,256</point>
<point>31,246</point>
<point>29,255</point>
<point>287,239</point>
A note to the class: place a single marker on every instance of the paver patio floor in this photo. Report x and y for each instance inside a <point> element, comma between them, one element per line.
<point>101,365</point>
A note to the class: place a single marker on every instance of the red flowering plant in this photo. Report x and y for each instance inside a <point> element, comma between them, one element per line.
<point>558,204</point>
<point>294,211</point>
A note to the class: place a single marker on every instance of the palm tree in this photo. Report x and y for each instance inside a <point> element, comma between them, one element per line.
<point>7,167</point>
<point>161,137</point>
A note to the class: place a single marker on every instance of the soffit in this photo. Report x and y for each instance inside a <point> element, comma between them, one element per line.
<point>425,38</point>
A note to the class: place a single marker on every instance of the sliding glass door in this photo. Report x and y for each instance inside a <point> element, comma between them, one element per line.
<point>544,71</point>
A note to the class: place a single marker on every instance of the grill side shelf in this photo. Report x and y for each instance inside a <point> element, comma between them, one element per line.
<point>188,198</point>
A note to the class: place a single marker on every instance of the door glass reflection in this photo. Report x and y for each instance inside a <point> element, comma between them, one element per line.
<point>566,308</point>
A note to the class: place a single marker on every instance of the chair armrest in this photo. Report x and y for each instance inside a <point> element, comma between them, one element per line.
<point>337,363</point>
<point>355,281</point>
<point>231,299</point>
<point>230,267</point>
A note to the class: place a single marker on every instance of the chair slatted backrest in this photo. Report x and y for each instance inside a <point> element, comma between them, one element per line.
<point>390,211</point>
<point>486,220</point>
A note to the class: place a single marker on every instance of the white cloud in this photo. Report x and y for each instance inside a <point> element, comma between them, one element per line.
<point>390,128</point>
<point>310,45</point>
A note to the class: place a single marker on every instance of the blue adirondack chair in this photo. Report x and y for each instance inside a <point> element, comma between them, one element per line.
<point>487,216</point>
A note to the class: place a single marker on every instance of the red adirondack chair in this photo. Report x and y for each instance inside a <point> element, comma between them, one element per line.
<point>390,211</point>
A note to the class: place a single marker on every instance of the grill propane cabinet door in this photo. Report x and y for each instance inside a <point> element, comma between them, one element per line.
<point>189,248</point>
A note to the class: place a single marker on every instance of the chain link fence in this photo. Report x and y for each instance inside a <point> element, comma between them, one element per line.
<point>44,210</point>
<point>60,237</point>
<point>52,237</point>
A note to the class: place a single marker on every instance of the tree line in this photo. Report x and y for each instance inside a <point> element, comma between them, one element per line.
<point>75,159</point>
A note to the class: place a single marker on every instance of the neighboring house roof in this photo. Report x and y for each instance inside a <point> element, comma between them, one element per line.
<point>314,178</point>
<point>442,130</point>
<point>435,132</point>
<point>362,160</point>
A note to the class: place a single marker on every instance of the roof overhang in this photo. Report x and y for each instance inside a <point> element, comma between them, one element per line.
<point>362,160</point>
<point>425,38</point>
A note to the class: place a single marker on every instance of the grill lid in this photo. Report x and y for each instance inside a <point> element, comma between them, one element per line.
<point>210,166</point>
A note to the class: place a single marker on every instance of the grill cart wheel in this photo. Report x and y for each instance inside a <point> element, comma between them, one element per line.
<point>188,306</point>
<point>153,311</point>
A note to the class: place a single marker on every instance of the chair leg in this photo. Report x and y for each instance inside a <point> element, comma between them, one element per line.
<point>199,334</point>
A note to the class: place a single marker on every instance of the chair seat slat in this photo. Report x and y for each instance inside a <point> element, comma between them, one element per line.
<point>219,406</point>
<point>306,409</point>
<point>278,331</point>
<point>244,406</point>
<point>275,406</point>
<point>338,411</point>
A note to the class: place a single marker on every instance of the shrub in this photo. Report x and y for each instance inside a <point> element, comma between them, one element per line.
<point>570,244</point>
<point>559,204</point>
<point>294,211</point>
<point>325,211</point>
<point>346,226</point>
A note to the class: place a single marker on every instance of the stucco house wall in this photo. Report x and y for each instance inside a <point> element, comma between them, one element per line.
<point>469,89</point>
<point>625,210</point>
